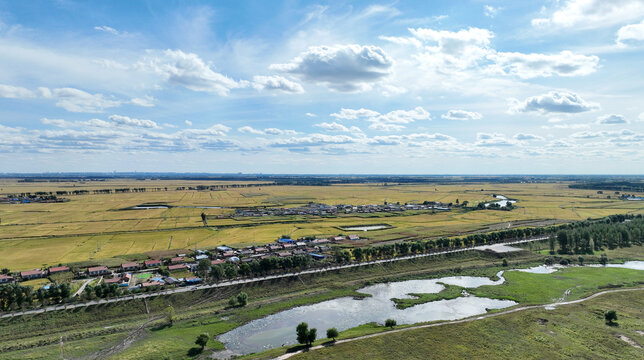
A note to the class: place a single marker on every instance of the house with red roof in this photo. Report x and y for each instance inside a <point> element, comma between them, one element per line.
<point>32,274</point>
<point>58,269</point>
<point>98,270</point>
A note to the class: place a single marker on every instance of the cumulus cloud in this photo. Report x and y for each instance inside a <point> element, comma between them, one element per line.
<point>15,92</point>
<point>632,32</point>
<point>527,66</point>
<point>453,49</point>
<point>313,140</point>
<point>188,122</point>
<point>121,120</point>
<point>527,137</point>
<point>352,114</point>
<point>310,114</point>
<point>461,115</point>
<point>588,14</point>
<point>391,121</point>
<point>492,140</point>
<point>269,131</point>
<point>553,102</point>
<point>188,70</point>
<point>334,126</point>
<point>612,119</point>
<point>278,83</point>
<point>346,68</point>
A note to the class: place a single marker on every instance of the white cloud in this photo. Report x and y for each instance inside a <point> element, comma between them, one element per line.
<point>453,50</point>
<point>346,68</point>
<point>391,121</point>
<point>527,66</point>
<point>188,122</point>
<point>57,122</point>
<point>588,14</point>
<point>641,116</point>
<point>269,131</point>
<point>490,11</point>
<point>351,114</point>
<point>386,127</point>
<point>15,92</point>
<point>75,100</point>
<point>492,140</point>
<point>334,126</point>
<point>632,32</point>
<point>554,101</point>
<point>275,131</point>
<point>106,29</point>
<point>121,120</point>
<point>147,101</point>
<point>278,83</point>
<point>612,119</point>
<point>310,114</point>
<point>527,137</point>
<point>461,115</point>
<point>313,140</point>
<point>188,70</point>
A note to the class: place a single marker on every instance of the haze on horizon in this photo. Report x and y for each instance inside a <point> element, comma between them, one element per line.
<point>414,87</point>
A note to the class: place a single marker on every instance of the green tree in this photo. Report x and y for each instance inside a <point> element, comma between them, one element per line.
<point>169,314</point>
<point>332,333</point>
<point>242,299</point>
<point>505,262</point>
<point>232,302</point>
<point>603,259</point>
<point>302,331</point>
<point>202,340</point>
<point>610,316</point>
<point>203,267</point>
<point>390,323</point>
<point>310,337</point>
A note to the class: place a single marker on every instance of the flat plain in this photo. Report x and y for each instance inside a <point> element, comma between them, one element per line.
<point>98,228</point>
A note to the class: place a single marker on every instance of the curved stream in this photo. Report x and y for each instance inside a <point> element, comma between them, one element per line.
<point>344,313</point>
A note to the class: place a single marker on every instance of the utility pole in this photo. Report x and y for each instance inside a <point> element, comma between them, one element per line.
<point>170,244</point>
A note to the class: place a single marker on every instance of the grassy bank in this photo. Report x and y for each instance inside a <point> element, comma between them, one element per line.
<point>573,331</point>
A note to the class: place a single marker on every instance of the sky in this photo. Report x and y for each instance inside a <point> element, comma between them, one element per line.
<point>338,87</point>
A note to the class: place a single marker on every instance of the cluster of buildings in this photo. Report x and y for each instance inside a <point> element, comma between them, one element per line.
<point>31,199</point>
<point>148,273</point>
<point>323,209</point>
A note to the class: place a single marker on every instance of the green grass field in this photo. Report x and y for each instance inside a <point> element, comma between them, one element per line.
<point>571,332</point>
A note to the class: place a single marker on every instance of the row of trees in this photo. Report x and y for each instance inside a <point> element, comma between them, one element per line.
<point>306,336</point>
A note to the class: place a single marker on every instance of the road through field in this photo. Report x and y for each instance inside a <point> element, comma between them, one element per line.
<point>481,317</point>
<point>255,279</point>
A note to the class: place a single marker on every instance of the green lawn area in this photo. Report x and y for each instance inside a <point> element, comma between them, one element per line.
<point>568,332</point>
<point>449,292</point>
<point>175,342</point>
<point>577,282</point>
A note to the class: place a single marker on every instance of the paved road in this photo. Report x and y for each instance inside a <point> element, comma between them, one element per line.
<point>252,280</point>
<point>513,310</point>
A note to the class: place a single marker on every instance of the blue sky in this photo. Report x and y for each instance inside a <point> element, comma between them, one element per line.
<point>409,87</point>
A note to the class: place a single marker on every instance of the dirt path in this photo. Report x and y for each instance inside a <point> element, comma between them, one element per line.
<point>122,345</point>
<point>550,306</point>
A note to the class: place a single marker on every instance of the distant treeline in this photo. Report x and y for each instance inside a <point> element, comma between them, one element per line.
<point>304,179</point>
<point>610,185</point>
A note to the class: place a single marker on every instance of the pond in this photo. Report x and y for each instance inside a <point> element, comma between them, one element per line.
<point>344,313</point>
<point>502,202</point>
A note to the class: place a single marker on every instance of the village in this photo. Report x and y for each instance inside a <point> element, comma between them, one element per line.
<point>317,209</point>
<point>183,268</point>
